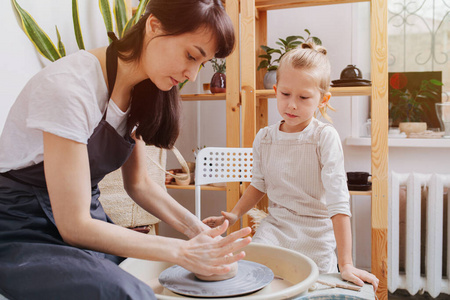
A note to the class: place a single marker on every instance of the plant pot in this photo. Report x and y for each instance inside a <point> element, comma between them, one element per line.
<point>218,83</point>
<point>412,127</point>
<point>270,79</point>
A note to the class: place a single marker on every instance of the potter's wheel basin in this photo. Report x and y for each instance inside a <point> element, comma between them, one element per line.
<point>294,273</point>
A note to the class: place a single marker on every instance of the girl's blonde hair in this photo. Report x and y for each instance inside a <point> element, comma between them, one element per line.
<point>312,58</point>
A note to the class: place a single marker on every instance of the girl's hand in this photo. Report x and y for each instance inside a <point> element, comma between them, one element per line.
<point>217,221</point>
<point>358,276</point>
<point>208,252</point>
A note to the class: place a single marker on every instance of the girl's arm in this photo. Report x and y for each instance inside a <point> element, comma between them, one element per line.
<point>343,236</point>
<point>248,200</point>
<point>150,196</point>
<point>68,181</point>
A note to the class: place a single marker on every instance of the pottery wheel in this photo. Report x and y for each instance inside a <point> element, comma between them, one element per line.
<point>250,278</point>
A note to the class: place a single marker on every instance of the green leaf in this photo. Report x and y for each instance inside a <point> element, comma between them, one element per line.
<point>76,25</point>
<point>436,82</point>
<point>36,35</point>
<point>291,38</point>
<point>307,31</point>
<point>106,13</point>
<point>61,48</point>
<point>263,64</point>
<point>316,40</point>
<point>140,10</point>
<point>120,13</point>
<point>181,84</point>
<point>129,24</point>
<point>266,48</point>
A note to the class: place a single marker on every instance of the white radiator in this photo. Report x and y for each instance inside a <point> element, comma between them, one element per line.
<point>428,248</point>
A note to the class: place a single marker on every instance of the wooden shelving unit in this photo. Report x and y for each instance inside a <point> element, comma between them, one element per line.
<point>253,27</point>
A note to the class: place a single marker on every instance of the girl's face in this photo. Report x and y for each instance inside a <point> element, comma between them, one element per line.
<point>169,60</point>
<point>298,97</point>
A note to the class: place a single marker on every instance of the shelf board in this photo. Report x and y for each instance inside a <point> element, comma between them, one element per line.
<point>402,142</point>
<point>192,187</point>
<point>282,4</point>
<point>360,193</point>
<point>224,188</point>
<point>335,92</point>
<point>203,97</point>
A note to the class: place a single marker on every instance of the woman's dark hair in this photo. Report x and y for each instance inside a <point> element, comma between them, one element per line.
<point>156,113</point>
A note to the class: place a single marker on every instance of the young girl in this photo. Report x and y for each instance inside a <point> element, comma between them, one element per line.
<point>73,123</point>
<point>299,163</point>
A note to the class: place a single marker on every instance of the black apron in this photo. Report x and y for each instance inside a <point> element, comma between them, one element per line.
<point>35,262</point>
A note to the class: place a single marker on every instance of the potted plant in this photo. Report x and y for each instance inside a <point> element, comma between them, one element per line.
<point>47,48</point>
<point>219,79</point>
<point>285,45</point>
<point>407,105</point>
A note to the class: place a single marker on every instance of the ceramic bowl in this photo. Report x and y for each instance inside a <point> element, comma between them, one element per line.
<point>358,177</point>
<point>294,273</point>
<point>351,72</point>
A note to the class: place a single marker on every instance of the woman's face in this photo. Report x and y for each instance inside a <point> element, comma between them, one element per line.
<point>298,97</point>
<point>169,60</point>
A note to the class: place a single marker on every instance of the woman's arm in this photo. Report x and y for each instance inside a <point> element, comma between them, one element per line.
<point>68,181</point>
<point>150,196</point>
<point>343,236</point>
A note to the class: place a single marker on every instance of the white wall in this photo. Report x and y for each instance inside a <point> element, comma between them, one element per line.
<point>19,61</point>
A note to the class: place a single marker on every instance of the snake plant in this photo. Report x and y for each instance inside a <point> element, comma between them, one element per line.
<point>47,48</point>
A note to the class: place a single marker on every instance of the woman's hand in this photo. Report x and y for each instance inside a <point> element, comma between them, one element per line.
<point>208,252</point>
<point>217,221</point>
<point>358,276</point>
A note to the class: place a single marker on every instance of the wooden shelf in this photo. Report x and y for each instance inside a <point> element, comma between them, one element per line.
<point>203,97</point>
<point>282,4</point>
<point>402,142</point>
<point>192,187</point>
<point>360,193</point>
<point>335,92</point>
<point>224,188</point>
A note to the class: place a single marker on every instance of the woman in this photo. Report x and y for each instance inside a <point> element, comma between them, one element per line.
<point>82,117</point>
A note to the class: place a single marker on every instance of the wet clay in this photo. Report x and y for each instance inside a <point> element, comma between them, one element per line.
<point>219,277</point>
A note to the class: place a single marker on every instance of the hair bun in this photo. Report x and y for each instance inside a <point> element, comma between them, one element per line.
<point>314,46</point>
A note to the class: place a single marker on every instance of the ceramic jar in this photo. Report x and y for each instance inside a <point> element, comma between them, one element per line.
<point>270,79</point>
<point>218,83</point>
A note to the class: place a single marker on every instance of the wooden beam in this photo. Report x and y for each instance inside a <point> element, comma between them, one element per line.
<point>233,104</point>
<point>379,152</point>
<point>283,4</point>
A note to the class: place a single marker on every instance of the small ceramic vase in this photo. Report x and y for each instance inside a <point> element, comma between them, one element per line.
<point>270,79</point>
<point>218,83</point>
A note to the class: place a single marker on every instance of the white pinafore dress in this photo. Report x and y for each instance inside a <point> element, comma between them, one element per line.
<point>298,218</point>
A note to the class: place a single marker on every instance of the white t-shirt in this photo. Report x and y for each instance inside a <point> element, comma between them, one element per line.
<point>67,98</point>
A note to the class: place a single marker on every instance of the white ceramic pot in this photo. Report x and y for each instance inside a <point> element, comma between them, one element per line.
<point>294,273</point>
<point>270,79</point>
<point>412,127</point>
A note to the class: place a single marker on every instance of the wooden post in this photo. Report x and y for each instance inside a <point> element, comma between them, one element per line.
<point>379,72</point>
<point>233,104</point>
